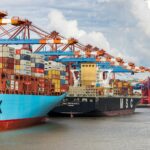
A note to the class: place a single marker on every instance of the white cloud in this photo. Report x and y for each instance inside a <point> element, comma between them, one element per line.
<point>115,52</point>
<point>69,28</point>
<point>142,13</point>
<point>125,23</point>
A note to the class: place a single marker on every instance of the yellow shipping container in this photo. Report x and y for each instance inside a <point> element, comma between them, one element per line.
<point>57,86</point>
<point>54,72</point>
<point>125,84</point>
<point>56,82</point>
<point>57,72</point>
<point>88,71</point>
<point>120,84</point>
<point>49,72</point>
<point>46,76</point>
<point>57,90</point>
<point>49,76</point>
<point>17,67</point>
<point>1,65</point>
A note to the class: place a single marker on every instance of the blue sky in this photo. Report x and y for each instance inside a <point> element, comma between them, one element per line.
<point>122,27</point>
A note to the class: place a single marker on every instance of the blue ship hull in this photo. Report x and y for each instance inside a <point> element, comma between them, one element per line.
<point>24,110</point>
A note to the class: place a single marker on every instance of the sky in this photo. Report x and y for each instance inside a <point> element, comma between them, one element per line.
<point>121,27</point>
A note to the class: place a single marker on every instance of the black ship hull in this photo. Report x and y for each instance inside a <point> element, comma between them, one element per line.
<point>96,106</point>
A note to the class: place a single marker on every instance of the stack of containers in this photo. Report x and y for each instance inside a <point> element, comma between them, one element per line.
<point>23,62</point>
<point>7,66</point>
<point>52,71</point>
<point>63,78</point>
<point>98,77</point>
<point>7,59</point>
<point>37,65</point>
<point>47,70</point>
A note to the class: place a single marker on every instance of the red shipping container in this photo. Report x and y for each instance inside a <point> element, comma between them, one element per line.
<point>32,69</point>
<point>17,62</point>
<point>37,70</point>
<point>42,80</point>
<point>42,85</point>
<point>6,60</point>
<point>3,85</point>
<point>9,71</point>
<point>27,82</point>
<point>17,51</point>
<point>64,88</point>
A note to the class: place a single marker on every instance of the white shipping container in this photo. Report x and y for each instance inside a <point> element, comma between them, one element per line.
<point>28,73</point>
<point>39,61</point>
<point>46,66</point>
<point>32,64</point>
<point>6,48</point>
<point>26,52</point>
<point>24,72</point>
<point>62,77</point>
<point>25,69</point>
<point>25,62</point>
<point>24,66</point>
<point>17,71</point>
<point>16,85</point>
<point>12,77</point>
<point>9,52</point>
<point>12,82</point>
<point>37,56</point>
<point>17,56</point>
<point>5,54</point>
<point>39,74</point>
<point>66,81</point>
<point>12,87</point>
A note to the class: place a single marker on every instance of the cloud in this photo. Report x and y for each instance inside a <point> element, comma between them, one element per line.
<point>124,56</point>
<point>125,23</point>
<point>69,28</point>
<point>142,13</point>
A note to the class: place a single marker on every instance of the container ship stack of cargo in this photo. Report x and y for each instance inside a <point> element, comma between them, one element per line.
<point>145,101</point>
<point>97,92</point>
<point>28,89</point>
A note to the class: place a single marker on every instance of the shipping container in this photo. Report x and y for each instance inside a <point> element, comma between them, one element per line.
<point>88,71</point>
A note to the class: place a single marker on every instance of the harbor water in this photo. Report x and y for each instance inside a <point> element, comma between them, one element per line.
<point>131,132</point>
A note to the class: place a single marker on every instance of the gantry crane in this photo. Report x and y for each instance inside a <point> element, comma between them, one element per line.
<point>21,30</point>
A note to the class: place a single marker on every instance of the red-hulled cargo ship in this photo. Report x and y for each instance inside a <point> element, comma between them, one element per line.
<point>30,86</point>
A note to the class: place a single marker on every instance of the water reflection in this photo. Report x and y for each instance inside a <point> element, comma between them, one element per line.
<point>91,133</point>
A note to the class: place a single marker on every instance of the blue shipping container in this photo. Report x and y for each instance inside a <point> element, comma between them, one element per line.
<point>25,57</point>
<point>62,82</point>
<point>63,73</point>
<point>39,65</point>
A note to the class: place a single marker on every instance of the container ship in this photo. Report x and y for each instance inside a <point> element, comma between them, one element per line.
<point>30,86</point>
<point>146,91</point>
<point>97,92</point>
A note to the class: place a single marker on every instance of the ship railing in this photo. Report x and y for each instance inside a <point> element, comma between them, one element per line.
<point>100,92</point>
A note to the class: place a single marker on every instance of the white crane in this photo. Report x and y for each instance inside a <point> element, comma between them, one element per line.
<point>76,80</point>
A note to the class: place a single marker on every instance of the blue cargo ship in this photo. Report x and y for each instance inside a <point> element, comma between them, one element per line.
<point>17,111</point>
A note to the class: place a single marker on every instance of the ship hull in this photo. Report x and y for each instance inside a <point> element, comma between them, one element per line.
<point>96,106</point>
<point>17,111</point>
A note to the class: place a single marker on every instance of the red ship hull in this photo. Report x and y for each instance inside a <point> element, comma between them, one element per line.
<point>118,113</point>
<point>20,123</point>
